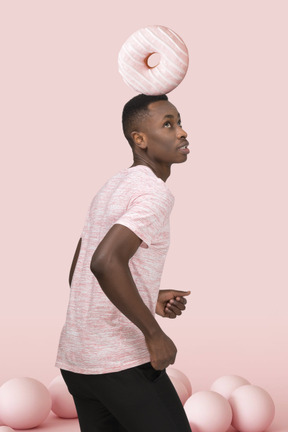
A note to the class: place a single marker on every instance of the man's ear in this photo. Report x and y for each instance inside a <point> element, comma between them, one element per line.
<point>139,139</point>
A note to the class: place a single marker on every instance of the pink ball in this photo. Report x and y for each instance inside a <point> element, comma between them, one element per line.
<point>62,401</point>
<point>6,429</point>
<point>208,411</point>
<point>226,384</point>
<point>172,372</point>
<point>253,409</point>
<point>24,403</point>
<point>1,421</point>
<point>180,389</point>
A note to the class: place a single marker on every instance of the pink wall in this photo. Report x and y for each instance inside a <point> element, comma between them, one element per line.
<point>61,103</point>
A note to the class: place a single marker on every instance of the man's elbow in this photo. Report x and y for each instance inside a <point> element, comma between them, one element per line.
<point>96,265</point>
<point>102,264</point>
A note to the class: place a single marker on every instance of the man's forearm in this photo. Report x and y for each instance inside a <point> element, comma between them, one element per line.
<point>117,283</point>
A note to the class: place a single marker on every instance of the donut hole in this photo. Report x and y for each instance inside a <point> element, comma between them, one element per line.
<point>153,60</point>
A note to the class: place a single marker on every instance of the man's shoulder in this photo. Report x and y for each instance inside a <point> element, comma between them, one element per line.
<point>144,179</point>
<point>135,181</point>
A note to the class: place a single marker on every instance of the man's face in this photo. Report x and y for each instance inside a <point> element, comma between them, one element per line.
<point>163,134</point>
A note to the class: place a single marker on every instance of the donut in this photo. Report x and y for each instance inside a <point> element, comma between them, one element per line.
<point>135,52</point>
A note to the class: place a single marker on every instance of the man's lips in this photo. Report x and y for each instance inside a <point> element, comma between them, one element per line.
<point>183,144</point>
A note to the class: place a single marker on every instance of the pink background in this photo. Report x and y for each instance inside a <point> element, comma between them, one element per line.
<point>61,138</point>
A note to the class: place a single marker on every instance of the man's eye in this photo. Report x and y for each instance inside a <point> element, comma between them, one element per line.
<point>167,123</point>
<point>179,123</point>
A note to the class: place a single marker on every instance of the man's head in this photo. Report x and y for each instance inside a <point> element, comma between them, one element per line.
<point>135,111</point>
<point>152,126</point>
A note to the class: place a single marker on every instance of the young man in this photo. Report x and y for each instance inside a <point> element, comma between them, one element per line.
<point>112,352</point>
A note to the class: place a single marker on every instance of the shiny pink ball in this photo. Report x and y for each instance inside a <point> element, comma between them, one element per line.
<point>62,401</point>
<point>1,421</point>
<point>24,403</point>
<point>175,373</point>
<point>208,411</point>
<point>253,409</point>
<point>226,384</point>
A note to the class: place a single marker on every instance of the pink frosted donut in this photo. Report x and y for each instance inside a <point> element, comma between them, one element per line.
<point>135,52</point>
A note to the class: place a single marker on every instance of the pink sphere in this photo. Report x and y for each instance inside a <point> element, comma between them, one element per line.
<point>226,384</point>
<point>253,409</point>
<point>62,401</point>
<point>1,421</point>
<point>172,372</point>
<point>180,389</point>
<point>6,429</point>
<point>208,411</point>
<point>24,403</point>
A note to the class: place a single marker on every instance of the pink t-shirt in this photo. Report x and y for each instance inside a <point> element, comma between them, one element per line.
<point>96,337</point>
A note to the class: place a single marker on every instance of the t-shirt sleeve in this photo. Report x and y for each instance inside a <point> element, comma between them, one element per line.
<point>146,215</point>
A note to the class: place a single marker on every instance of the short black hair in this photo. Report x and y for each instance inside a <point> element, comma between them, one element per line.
<point>135,110</point>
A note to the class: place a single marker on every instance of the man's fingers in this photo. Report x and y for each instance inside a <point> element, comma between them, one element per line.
<point>181,299</point>
<point>169,313</point>
<point>175,309</point>
<point>178,304</point>
<point>181,293</point>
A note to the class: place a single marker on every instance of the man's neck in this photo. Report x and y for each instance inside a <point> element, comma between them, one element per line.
<point>160,170</point>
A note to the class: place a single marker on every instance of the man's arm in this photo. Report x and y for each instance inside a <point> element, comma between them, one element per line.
<point>109,264</point>
<point>74,262</point>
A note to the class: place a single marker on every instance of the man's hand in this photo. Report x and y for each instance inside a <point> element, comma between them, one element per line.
<point>171,303</point>
<point>162,350</point>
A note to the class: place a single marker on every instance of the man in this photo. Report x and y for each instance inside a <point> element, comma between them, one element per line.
<point>112,352</point>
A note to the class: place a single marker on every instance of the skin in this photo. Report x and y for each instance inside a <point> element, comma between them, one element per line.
<point>157,141</point>
<point>156,145</point>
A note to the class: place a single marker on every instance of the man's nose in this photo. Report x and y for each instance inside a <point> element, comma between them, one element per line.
<point>181,133</point>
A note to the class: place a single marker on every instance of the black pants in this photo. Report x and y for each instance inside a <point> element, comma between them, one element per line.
<point>139,399</point>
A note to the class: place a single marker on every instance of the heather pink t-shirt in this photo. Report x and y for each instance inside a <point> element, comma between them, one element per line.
<point>96,337</point>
